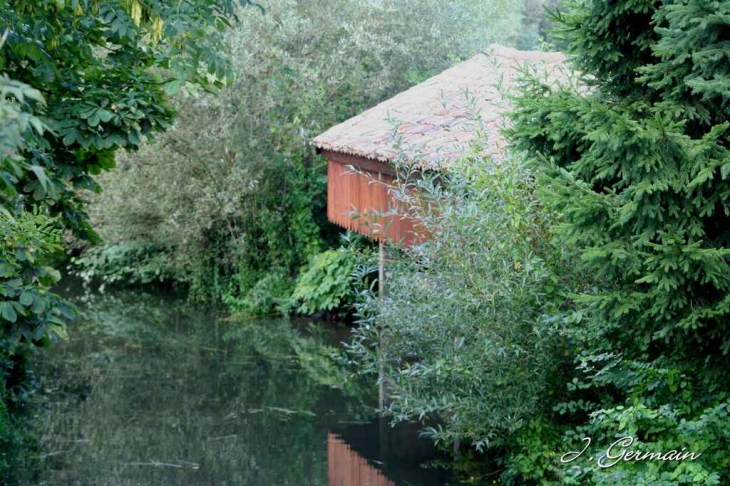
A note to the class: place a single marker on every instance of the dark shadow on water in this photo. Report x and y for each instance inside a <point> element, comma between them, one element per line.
<point>153,391</point>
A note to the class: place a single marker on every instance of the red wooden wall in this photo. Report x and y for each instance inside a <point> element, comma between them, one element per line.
<point>358,190</point>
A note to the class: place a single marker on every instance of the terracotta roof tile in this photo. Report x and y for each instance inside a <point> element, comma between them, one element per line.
<point>431,124</point>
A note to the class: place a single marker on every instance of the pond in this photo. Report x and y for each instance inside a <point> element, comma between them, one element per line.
<point>153,391</point>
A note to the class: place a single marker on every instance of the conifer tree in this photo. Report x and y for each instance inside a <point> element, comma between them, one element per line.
<point>636,157</point>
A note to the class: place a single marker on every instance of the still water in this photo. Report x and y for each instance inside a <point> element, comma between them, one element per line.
<point>152,391</point>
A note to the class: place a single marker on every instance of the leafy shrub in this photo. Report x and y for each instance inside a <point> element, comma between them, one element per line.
<point>267,295</point>
<point>461,325</point>
<point>325,284</point>
<point>30,316</point>
<point>29,312</point>
<point>121,263</point>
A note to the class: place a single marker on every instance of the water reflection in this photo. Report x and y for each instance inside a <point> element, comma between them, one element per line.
<point>348,468</point>
<point>150,391</point>
<point>374,454</point>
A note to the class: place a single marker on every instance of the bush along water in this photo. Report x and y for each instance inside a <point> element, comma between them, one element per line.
<point>30,314</point>
<point>465,328</point>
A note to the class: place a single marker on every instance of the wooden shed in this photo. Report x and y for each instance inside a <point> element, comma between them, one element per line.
<point>429,126</point>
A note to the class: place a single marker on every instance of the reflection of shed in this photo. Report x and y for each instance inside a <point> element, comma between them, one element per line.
<point>347,468</point>
<point>429,125</point>
<point>375,454</point>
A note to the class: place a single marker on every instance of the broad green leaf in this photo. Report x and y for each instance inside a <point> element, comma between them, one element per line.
<point>60,331</point>
<point>7,312</point>
<point>26,298</point>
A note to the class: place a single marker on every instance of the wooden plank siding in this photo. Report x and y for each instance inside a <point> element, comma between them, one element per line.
<point>358,192</point>
<point>346,467</point>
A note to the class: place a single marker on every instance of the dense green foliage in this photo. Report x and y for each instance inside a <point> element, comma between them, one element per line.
<point>331,279</point>
<point>593,300</point>
<point>80,80</point>
<point>104,68</point>
<point>465,321</point>
<point>29,313</point>
<point>325,283</point>
<point>31,316</point>
<point>637,165</point>
<point>232,201</point>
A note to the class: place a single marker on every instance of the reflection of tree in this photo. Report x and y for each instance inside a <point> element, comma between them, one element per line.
<point>150,391</point>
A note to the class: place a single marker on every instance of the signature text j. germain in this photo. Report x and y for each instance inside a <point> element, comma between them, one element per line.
<point>620,451</point>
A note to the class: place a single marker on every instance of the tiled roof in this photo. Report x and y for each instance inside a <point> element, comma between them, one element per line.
<point>433,123</point>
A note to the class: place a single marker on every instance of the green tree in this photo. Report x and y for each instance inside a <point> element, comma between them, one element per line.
<point>81,79</point>
<point>636,158</point>
<point>105,69</point>
<point>28,311</point>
